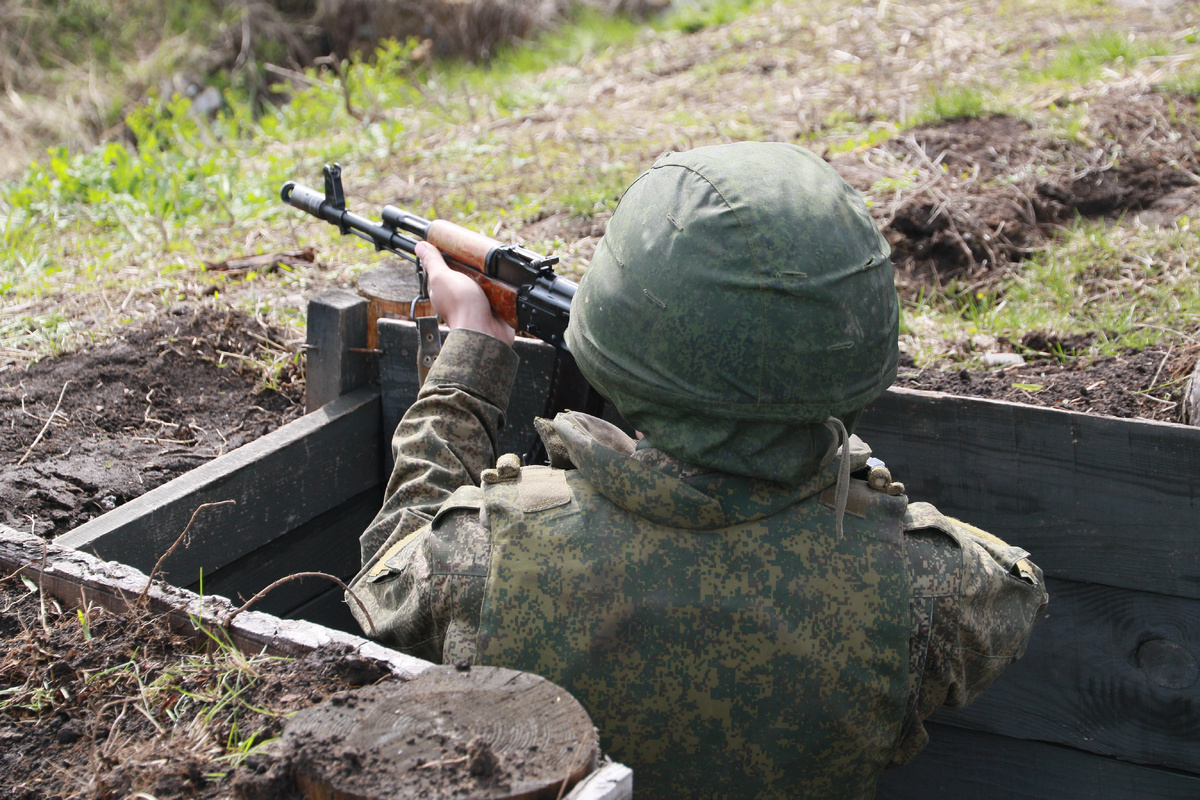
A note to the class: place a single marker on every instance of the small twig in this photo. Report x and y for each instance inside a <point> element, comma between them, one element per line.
<point>445,762</point>
<point>41,587</point>
<point>585,754</point>
<point>150,581</point>
<point>42,432</point>
<point>297,576</point>
<point>1161,364</point>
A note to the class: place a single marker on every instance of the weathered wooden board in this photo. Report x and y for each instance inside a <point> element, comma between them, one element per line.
<point>399,385</point>
<point>337,337</point>
<point>1095,499</point>
<point>77,577</point>
<point>967,765</point>
<point>327,543</point>
<point>1109,671</point>
<point>279,482</point>
<point>329,608</point>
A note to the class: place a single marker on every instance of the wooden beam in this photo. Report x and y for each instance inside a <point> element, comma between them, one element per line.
<point>75,577</point>
<point>960,764</point>
<point>337,323</point>
<point>1094,499</point>
<point>279,482</point>
<point>1109,671</point>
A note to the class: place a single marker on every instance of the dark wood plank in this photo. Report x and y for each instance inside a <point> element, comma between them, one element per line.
<point>1095,499</point>
<point>960,764</point>
<point>279,482</point>
<point>327,543</point>
<point>337,323</point>
<point>1109,671</point>
<point>398,382</point>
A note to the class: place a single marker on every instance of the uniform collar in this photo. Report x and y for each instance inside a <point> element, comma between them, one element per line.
<point>665,490</point>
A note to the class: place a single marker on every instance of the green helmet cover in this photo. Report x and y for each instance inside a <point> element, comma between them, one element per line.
<point>740,297</point>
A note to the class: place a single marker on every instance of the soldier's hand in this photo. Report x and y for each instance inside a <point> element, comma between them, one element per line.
<point>458,299</point>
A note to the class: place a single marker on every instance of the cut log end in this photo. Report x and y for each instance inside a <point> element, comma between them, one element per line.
<point>481,733</point>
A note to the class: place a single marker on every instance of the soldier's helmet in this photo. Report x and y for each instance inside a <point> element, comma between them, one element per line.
<point>740,297</point>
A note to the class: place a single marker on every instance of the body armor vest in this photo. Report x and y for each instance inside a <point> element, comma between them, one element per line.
<point>759,658</point>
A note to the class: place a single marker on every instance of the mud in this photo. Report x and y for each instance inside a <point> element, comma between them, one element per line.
<point>118,419</point>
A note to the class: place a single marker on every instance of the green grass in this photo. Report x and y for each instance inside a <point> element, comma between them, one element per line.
<point>1079,62</point>
<point>1132,288</point>
<point>535,132</point>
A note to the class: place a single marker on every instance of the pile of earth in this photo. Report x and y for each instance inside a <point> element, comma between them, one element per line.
<point>104,705</point>
<point>84,432</point>
<point>1144,384</point>
<point>967,199</point>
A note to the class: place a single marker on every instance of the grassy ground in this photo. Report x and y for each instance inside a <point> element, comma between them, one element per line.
<point>540,143</point>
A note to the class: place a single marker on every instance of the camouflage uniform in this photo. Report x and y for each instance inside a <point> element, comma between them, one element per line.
<point>969,601</point>
<point>740,616</point>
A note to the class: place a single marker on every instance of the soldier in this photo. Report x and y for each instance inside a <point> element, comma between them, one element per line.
<point>740,612</point>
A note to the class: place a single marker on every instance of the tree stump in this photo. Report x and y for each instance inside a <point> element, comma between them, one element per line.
<point>390,290</point>
<point>481,732</point>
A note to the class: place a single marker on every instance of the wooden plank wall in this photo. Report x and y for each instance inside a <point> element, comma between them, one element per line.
<point>962,764</point>
<point>303,493</point>
<point>1108,508</point>
<point>1103,500</point>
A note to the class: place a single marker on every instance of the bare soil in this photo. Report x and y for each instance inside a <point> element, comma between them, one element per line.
<point>1129,385</point>
<point>83,433</point>
<point>123,705</point>
<point>979,195</point>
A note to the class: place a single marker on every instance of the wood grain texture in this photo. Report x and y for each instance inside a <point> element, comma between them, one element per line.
<point>1094,499</point>
<point>326,543</point>
<point>279,482</point>
<point>482,732</point>
<point>970,765</point>
<point>337,322</point>
<point>1109,671</point>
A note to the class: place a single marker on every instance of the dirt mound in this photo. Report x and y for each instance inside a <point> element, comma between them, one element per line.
<point>967,198</point>
<point>85,432</point>
<point>105,705</point>
<point>1143,384</point>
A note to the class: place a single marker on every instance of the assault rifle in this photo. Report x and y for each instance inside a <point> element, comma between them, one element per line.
<point>520,284</point>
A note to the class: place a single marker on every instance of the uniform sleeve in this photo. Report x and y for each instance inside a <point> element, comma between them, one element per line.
<point>974,602</point>
<point>447,437</point>
<point>425,555</point>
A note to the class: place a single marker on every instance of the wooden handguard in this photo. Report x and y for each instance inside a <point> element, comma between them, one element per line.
<point>467,252</point>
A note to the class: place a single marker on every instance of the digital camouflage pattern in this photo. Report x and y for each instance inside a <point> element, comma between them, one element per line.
<point>765,305</point>
<point>724,640</point>
<point>971,601</point>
